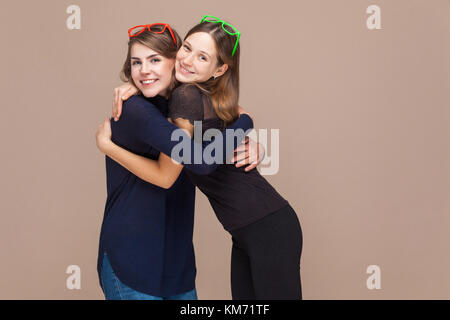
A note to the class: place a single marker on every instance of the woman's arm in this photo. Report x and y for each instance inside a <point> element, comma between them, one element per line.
<point>162,172</point>
<point>156,131</point>
<point>249,153</point>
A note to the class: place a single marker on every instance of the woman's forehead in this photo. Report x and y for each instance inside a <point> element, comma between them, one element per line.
<point>140,50</point>
<point>202,41</point>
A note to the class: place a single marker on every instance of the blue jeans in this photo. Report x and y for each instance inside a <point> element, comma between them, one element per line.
<point>114,289</point>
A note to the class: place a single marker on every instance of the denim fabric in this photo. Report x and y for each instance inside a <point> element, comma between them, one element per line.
<point>114,289</point>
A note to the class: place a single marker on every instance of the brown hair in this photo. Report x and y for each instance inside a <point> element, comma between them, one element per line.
<point>162,43</point>
<point>224,90</point>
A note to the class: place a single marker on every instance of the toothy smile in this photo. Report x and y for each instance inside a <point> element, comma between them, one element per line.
<point>148,81</point>
<point>184,70</point>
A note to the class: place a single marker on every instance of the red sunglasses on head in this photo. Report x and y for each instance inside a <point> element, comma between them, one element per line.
<point>139,29</point>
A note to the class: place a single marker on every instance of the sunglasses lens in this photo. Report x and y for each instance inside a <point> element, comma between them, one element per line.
<point>211,19</point>
<point>136,31</point>
<point>157,27</point>
<point>229,28</point>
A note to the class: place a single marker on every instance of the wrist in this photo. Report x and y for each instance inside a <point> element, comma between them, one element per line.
<point>106,146</point>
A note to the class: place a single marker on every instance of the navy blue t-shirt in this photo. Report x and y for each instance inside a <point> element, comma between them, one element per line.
<point>147,230</point>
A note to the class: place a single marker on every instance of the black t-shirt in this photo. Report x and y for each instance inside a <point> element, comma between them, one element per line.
<point>237,197</point>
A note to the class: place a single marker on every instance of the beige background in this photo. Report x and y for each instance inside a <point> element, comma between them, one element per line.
<point>364,139</point>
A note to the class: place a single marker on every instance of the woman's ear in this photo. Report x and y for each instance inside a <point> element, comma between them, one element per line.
<point>221,70</point>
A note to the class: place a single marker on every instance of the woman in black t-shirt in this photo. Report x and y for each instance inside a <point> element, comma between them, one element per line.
<point>266,233</point>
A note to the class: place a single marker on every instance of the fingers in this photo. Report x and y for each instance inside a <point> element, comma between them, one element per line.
<point>244,158</point>
<point>261,153</point>
<point>251,167</point>
<point>102,124</point>
<point>247,155</point>
<point>242,162</point>
<point>240,156</point>
<point>116,97</point>
<point>243,146</point>
<point>128,93</point>
<point>241,110</point>
<point>120,94</point>
<point>113,102</point>
<point>240,148</point>
<point>119,109</point>
<point>108,124</point>
<point>99,129</point>
<point>102,129</point>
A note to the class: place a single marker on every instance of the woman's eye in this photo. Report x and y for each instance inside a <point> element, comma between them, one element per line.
<point>186,47</point>
<point>135,62</point>
<point>155,60</point>
<point>203,58</point>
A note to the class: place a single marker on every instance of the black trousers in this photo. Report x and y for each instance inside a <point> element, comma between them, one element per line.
<point>265,259</point>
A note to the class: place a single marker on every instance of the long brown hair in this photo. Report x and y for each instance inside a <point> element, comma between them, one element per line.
<point>162,43</point>
<point>224,90</point>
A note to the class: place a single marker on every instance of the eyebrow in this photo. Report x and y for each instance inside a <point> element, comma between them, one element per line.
<point>204,52</point>
<point>150,56</point>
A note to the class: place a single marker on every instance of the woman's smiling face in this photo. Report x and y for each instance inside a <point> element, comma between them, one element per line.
<point>150,71</point>
<point>197,59</point>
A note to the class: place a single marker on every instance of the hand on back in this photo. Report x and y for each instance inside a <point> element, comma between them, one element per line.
<point>121,94</point>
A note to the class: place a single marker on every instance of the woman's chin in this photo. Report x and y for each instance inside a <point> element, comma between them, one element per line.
<point>148,93</point>
<point>182,78</point>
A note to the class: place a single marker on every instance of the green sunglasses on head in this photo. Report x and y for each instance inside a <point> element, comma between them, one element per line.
<point>224,24</point>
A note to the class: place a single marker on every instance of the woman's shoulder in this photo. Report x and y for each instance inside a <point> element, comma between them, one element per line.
<point>187,91</point>
<point>186,102</point>
<point>137,104</point>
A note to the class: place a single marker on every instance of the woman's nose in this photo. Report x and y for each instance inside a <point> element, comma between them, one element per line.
<point>145,67</point>
<point>188,59</point>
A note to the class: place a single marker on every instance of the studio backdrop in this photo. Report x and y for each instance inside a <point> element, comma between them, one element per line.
<point>357,92</point>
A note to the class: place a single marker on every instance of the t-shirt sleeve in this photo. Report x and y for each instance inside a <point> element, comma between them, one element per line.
<point>186,103</point>
<point>127,131</point>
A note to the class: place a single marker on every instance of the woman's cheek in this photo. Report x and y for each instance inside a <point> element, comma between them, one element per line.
<point>134,74</point>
